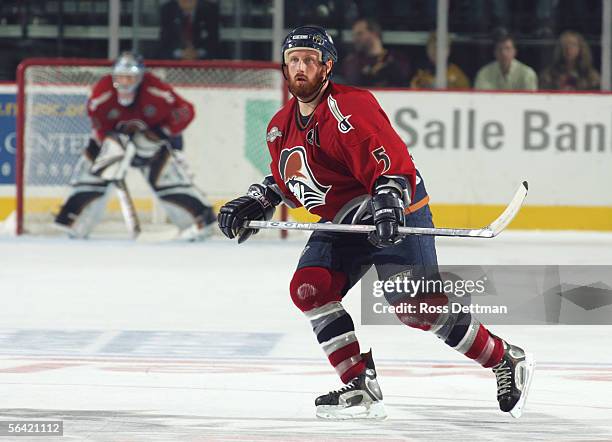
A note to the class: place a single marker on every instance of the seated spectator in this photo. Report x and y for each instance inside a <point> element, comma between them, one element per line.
<point>425,78</point>
<point>572,66</point>
<point>370,64</point>
<point>506,72</point>
<point>189,29</point>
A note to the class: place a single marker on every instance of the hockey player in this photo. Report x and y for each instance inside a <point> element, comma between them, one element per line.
<point>334,152</point>
<point>137,121</point>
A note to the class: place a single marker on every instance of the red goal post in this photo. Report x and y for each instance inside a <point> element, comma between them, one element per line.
<point>225,144</point>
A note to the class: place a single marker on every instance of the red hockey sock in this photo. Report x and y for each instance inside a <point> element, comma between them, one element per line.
<point>317,292</point>
<point>487,349</point>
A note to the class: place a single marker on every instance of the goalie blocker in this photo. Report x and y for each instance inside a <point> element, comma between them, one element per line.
<point>101,166</point>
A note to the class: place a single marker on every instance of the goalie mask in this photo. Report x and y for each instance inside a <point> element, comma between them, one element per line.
<point>128,71</point>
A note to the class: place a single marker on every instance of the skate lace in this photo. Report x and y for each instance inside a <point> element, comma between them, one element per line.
<point>504,378</point>
<point>348,387</point>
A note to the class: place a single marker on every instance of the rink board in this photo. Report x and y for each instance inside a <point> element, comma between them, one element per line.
<point>472,149</point>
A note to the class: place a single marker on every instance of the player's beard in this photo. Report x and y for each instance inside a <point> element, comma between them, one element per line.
<point>306,89</point>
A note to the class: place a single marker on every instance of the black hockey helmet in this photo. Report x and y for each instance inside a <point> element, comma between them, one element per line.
<point>310,37</point>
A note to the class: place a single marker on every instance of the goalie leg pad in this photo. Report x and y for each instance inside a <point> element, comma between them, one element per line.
<point>76,203</point>
<point>182,201</point>
<point>185,210</point>
<point>84,207</point>
<point>83,210</point>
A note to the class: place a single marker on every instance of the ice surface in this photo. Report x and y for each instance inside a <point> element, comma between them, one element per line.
<point>127,341</point>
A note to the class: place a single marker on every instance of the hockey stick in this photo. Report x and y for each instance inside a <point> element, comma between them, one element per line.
<point>114,170</point>
<point>127,208</point>
<point>489,231</point>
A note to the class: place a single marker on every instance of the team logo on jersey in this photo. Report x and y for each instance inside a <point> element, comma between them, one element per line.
<point>299,179</point>
<point>344,126</point>
<point>113,114</point>
<point>273,134</point>
<point>313,136</point>
<point>149,110</point>
<point>131,126</point>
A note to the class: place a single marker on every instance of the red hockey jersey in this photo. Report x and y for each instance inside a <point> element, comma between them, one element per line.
<point>155,106</point>
<point>330,165</point>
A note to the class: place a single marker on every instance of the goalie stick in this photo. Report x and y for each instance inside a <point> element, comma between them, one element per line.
<point>490,231</point>
<point>127,208</point>
<point>115,173</point>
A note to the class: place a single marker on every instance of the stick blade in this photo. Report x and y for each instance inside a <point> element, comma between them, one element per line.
<point>497,226</point>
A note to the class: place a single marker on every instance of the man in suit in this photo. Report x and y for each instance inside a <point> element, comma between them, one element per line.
<point>189,29</point>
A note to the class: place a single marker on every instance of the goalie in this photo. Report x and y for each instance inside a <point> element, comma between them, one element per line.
<point>137,121</point>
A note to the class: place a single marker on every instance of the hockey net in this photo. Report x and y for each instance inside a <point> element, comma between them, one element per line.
<point>224,145</point>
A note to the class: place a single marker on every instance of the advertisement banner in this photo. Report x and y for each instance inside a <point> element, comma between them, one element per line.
<point>8,140</point>
<point>61,131</point>
<point>475,148</point>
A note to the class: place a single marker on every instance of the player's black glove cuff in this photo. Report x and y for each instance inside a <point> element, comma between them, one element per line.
<point>388,214</point>
<point>258,204</point>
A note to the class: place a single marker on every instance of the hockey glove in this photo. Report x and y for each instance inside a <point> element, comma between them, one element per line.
<point>257,205</point>
<point>388,214</point>
<point>148,144</point>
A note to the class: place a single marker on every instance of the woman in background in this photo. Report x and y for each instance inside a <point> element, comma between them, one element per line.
<point>572,66</point>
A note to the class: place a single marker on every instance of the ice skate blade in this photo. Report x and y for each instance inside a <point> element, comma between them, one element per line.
<point>330,412</point>
<point>517,411</point>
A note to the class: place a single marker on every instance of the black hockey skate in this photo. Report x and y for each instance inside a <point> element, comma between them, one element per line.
<point>514,374</point>
<point>361,398</point>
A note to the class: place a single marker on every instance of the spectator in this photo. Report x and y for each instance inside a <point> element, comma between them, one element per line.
<point>506,72</point>
<point>545,12</point>
<point>572,66</point>
<point>584,16</point>
<point>425,78</point>
<point>370,64</point>
<point>189,29</point>
<point>483,15</point>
